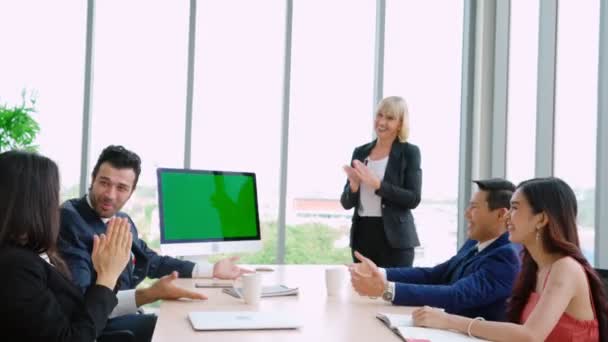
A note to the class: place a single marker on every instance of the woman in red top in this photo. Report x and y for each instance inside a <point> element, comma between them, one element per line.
<point>557,296</point>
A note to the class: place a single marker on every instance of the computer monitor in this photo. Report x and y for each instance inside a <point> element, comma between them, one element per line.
<point>205,212</point>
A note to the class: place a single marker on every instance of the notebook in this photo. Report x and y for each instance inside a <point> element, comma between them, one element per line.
<point>267,291</point>
<point>242,320</point>
<point>403,326</point>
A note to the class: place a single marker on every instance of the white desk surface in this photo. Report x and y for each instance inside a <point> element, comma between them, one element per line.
<point>348,317</point>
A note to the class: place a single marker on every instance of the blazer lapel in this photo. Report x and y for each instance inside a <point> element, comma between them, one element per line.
<point>90,216</point>
<point>366,150</point>
<point>503,239</point>
<point>459,266</point>
<point>392,172</point>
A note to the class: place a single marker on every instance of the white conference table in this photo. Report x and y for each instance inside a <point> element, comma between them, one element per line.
<point>348,317</point>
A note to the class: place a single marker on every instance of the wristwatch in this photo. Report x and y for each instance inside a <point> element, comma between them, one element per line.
<point>389,291</point>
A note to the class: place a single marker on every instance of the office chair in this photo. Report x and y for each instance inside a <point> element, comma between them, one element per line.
<point>117,336</point>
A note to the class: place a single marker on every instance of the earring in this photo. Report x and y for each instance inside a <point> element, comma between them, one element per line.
<point>537,234</point>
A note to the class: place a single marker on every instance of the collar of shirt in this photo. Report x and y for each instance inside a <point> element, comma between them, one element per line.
<point>103,219</point>
<point>482,245</point>
<point>46,258</point>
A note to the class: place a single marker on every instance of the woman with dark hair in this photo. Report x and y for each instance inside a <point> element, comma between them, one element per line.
<point>557,295</point>
<point>39,302</point>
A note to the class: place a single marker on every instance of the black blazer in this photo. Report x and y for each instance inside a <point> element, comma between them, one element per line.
<point>399,190</point>
<point>39,304</point>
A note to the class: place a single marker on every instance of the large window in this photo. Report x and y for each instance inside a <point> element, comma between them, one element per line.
<point>139,90</point>
<point>576,108</point>
<point>237,99</point>
<point>423,63</point>
<point>331,114</point>
<point>523,61</point>
<point>45,57</point>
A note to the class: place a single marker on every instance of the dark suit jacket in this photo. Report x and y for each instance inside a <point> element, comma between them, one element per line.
<point>39,304</point>
<point>399,190</point>
<point>79,222</point>
<point>481,288</point>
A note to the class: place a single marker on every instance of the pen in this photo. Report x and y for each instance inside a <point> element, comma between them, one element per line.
<point>212,286</point>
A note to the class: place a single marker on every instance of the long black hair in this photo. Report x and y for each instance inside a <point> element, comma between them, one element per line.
<point>557,200</point>
<point>29,204</point>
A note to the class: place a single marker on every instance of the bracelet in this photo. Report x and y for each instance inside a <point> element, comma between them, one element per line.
<point>471,324</point>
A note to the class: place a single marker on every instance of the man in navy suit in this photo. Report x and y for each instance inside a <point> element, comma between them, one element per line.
<point>477,281</point>
<point>114,180</point>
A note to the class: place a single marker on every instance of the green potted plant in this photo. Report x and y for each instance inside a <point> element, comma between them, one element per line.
<point>18,129</point>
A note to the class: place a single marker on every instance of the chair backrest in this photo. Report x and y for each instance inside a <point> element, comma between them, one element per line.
<point>117,336</point>
<point>604,275</point>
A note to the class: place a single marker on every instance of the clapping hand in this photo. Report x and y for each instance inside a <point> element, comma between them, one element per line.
<point>228,269</point>
<point>366,175</point>
<point>366,277</point>
<point>111,251</point>
<point>353,178</point>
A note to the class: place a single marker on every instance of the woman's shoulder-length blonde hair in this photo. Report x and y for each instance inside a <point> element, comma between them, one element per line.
<point>396,106</point>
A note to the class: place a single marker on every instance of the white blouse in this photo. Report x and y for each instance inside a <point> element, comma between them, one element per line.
<point>369,202</point>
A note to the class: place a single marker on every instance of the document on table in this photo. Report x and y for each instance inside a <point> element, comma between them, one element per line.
<point>403,326</point>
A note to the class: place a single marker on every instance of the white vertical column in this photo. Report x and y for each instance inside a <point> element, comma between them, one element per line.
<point>87,99</point>
<point>285,133</point>
<point>466,114</point>
<point>545,101</point>
<point>379,56</point>
<point>190,85</point>
<point>498,154</point>
<point>601,178</point>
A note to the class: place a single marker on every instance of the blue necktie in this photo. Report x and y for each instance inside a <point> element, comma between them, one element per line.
<point>462,263</point>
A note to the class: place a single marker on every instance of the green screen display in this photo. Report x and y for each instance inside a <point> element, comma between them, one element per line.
<point>207,205</point>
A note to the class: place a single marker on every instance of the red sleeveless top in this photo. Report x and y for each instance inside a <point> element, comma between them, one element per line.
<point>568,328</point>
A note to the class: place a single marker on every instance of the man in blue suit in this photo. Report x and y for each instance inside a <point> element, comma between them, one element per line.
<point>114,180</point>
<point>477,281</point>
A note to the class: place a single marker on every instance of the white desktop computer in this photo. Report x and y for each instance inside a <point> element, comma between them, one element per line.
<point>204,212</point>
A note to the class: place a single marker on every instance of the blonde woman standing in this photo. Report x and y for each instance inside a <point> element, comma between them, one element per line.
<point>383,185</point>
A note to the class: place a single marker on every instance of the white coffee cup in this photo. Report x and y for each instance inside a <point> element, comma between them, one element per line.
<point>334,280</point>
<point>252,287</point>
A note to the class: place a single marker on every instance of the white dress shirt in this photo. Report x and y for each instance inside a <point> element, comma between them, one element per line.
<point>482,245</point>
